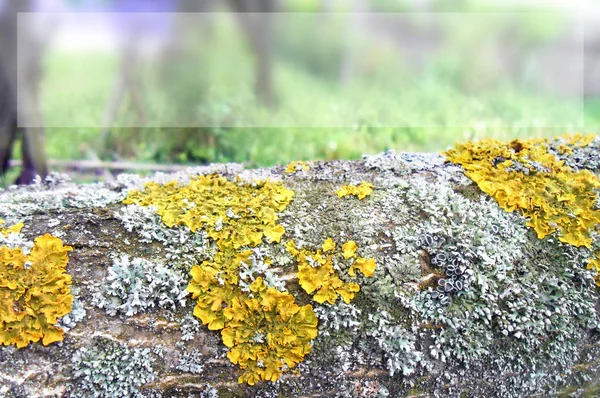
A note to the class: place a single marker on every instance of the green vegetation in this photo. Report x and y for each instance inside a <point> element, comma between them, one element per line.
<point>449,101</point>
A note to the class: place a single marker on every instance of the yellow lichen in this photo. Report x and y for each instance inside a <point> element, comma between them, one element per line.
<point>295,166</point>
<point>233,214</point>
<point>317,274</point>
<point>266,331</point>
<point>34,292</point>
<point>524,175</point>
<point>8,230</point>
<point>571,142</point>
<point>349,249</point>
<point>594,265</point>
<point>361,190</point>
<point>367,267</point>
<point>214,285</point>
<point>329,245</point>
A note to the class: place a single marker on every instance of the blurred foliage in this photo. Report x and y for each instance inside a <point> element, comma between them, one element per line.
<point>447,100</point>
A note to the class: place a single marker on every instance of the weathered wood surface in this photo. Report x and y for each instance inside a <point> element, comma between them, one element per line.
<point>523,319</point>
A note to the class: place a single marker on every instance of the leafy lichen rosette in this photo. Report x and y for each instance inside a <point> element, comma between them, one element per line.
<point>34,292</point>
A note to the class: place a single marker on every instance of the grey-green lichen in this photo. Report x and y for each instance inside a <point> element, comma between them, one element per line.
<point>209,392</point>
<point>463,294</point>
<point>474,288</point>
<point>111,369</point>
<point>338,316</point>
<point>257,266</point>
<point>579,157</point>
<point>16,240</point>
<point>77,314</point>
<point>191,362</point>
<point>189,326</point>
<point>182,248</point>
<point>56,192</point>
<point>491,292</point>
<point>396,342</point>
<point>135,285</point>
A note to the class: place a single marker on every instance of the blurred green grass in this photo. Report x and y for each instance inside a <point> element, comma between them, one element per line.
<point>77,89</point>
<point>441,109</point>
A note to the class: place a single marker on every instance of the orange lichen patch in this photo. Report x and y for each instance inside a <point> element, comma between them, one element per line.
<point>34,292</point>
<point>570,142</point>
<point>361,190</point>
<point>524,175</point>
<point>12,229</point>
<point>367,267</point>
<point>317,274</point>
<point>214,285</point>
<point>295,166</point>
<point>233,214</point>
<point>328,245</point>
<point>349,249</point>
<point>268,333</point>
<point>594,264</point>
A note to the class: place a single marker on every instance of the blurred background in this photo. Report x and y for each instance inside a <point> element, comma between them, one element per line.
<point>98,87</point>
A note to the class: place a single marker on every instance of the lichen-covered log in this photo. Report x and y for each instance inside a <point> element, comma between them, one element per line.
<point>395,275</point>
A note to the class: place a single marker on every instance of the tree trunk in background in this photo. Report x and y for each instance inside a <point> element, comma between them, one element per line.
<point>256,21</point>
<point>355,26</point>
<point>8,122</point>
<point>524,323</point>
<point>591,56</point>
<point>23,85</point>
<point>8,99</point>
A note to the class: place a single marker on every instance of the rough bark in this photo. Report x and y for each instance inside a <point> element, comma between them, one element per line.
<point>525,321</point>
